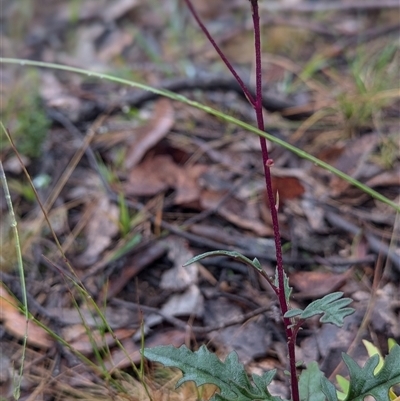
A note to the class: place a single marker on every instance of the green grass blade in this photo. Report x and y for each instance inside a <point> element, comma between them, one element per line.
<point>214,112</point>
<point>3,179</point>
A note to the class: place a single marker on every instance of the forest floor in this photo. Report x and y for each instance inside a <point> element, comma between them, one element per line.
<point>133,185</point>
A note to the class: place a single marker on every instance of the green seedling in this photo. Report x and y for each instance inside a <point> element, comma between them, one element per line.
<point>30,123</point>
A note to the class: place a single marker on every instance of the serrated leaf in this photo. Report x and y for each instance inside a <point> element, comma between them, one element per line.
<point>310,383</point>
<point>373,350</point>
<point>232,254</point>
<point>363,382</point>
<point>204,367</point>
<point>330,307</point>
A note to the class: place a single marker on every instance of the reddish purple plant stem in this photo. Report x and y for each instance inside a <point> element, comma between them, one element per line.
<point>219,51</point>
<point>291,333</point>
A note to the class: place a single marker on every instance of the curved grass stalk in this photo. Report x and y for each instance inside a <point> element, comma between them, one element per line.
<point>180,98</point>
<point>13,223</point>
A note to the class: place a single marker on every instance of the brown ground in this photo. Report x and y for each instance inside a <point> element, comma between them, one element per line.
<point>134,186</point>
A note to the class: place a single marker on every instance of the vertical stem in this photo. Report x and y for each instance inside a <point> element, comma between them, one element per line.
<point>257,105</point>
<point>219,51</point>
<point>274,212</point>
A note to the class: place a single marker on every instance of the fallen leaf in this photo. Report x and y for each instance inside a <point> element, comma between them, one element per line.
<point>286,188</point>
<point>122,358</point>
<point>56,96</point>
<point>243,214</point>
<point>102,226</point>
<point>151,133</point>
<point>385,179</point>
<point>114,45</point>
<point>117,9</point>
<point>160,173</point>
<point>15,323</point>
<point>116,317</point>
<point>351,161</point>
<point>250,340</point>
<point>178,277</point>
<point>316,284</point>
<point>86,345</point>
<point>209,8</point>
<point>384,317</point>
<point>6,382</point>
<point>189,303</point>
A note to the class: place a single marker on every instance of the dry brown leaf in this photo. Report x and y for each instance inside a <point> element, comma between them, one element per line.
<point>242,214</point>
<point>115,44</point>
<point>152,176</point>
<point>287,188</point>
<point>178,277</point>
<point>351,161</point>
<point>6,382</point>
<point>120,360</point>
<point>160,173</point>
<point>117,9</point>
<point>316,284</point>
<point>151,133</point>
<point>209,8</point>
<point>187,187</point>
<point>384,317</point>
<point>7,303</point>
<point>385,179</point>
<point>102,226</point>
<point>55,95</point>
<point>84,344</point>
<point>116,317</point>
<point>15,323</point>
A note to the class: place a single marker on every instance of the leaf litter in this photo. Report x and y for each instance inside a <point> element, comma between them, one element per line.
<point>180,169</point>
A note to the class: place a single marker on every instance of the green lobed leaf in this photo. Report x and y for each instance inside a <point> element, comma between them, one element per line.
<point>363,382</point>
<point>330,307</point>
<point>310,386</point>
<point>204,367</point>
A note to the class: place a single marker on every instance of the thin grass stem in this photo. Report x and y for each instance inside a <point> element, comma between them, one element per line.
<point>20,263</point>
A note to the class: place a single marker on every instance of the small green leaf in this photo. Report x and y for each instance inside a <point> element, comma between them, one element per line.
<point>344,385</point>
<point>310,383</point>
<point>257,264</point>
<point>288,289</point>
<point>293,313</point>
